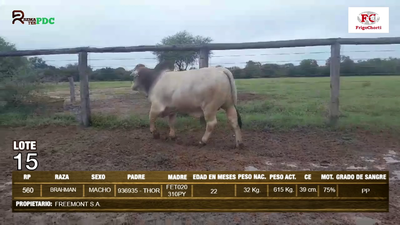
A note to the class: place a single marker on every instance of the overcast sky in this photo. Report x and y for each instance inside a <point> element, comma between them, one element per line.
<point>108,23</point>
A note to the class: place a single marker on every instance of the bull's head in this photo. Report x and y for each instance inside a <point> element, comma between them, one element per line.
<point>135,74</point>
<point>144,78</point>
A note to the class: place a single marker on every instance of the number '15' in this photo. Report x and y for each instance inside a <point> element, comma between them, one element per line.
<point>30,157</point>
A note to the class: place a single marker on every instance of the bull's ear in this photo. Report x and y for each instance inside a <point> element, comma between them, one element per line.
<point>135,71</point>
<point>138,66</point>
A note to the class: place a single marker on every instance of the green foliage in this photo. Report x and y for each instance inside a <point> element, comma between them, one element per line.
<point>365,102</point>
<point>70,70</point>
<point>19,88</point>
<point>310,68</point>
<point>369,102</point>
<point>110,74</point>
<point>18,80</point>
<point>24,118</point>
<point>38,63</point>
<point>182,59</point>
<point>10,65</point>
<point>48,73</point>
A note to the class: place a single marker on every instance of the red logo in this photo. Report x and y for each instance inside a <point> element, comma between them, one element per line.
<point>368,18</point>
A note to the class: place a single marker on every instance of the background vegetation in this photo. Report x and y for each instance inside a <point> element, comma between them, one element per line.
<point>294,95</point>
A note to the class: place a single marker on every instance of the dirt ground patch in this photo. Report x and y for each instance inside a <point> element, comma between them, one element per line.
<point>75,148</point>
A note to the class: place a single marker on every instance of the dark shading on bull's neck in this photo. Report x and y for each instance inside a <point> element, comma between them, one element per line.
<point>165,65</point>
<point>147,78</point>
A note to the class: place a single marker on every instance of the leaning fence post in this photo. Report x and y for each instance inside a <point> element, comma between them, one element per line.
<point>84,89</point>
<point>204,56</point>
<point>71,89</point>
<point>335,83</point>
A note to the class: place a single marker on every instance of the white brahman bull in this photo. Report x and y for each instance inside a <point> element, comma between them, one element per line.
<point>200,93</point>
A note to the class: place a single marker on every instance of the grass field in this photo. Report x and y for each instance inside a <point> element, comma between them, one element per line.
<point>367,138</point>
<point>365,102</point>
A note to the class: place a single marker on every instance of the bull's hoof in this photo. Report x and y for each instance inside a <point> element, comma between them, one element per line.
<point>240,146</point>
<point>156,135</point>
<point>171,138</point>
<point>201,144</point>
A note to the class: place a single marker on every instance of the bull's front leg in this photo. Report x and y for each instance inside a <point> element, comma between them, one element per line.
<point>171,123</point>
<point>153,115</point>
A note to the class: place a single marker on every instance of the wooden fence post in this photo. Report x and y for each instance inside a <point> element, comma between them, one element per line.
<point>84,93</point>
<point>335,83</point>
<point>204,56</point>
<point>71,89</point>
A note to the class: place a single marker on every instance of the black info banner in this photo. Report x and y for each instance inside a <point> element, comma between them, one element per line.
<point>198,191</point>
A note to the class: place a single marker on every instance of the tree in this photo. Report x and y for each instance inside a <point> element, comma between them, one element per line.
<point>271,70</point>
<point>308,67</point>
<point>18,80</point>
<point>9,65</point>
<point>253,69</point>
<point>347,65</point>
<point>38,63</point>
<point>182,59</point>
<point>110,74</point>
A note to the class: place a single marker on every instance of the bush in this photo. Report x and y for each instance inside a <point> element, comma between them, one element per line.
<point>19,87</point>
<point>18,79</point>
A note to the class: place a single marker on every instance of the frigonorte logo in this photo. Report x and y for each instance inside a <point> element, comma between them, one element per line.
<point>19,15</point>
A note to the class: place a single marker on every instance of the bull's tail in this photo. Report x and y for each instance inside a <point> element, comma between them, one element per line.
<point>239,118</point>
<point>233,85</point>
<point>233,93</point>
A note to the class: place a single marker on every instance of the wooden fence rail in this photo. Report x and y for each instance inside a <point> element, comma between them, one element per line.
<point>213,46</point>
<point>204,51</point>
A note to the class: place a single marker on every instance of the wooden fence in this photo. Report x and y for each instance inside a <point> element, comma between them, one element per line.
<point>204,51</point>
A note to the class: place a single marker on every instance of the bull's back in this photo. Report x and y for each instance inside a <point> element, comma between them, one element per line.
<point>192,89</point>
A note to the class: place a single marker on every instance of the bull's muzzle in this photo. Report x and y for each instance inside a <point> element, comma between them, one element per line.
<point>134,87</point>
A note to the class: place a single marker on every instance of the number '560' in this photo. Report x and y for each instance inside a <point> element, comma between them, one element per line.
<point>30,158</point>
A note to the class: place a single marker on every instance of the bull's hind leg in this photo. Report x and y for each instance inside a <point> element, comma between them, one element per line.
<point>155,111</point>
<point>171,123</point>
<point>233,116</point>
<point>211,120</point>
